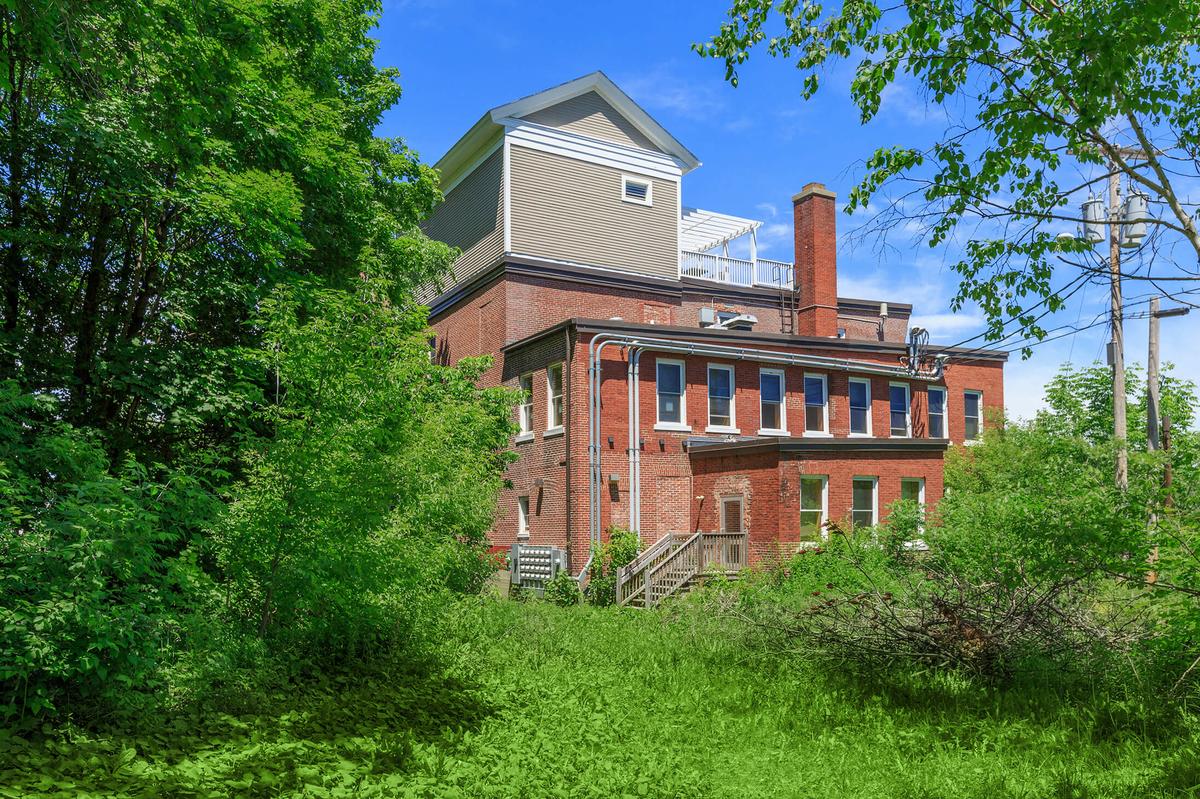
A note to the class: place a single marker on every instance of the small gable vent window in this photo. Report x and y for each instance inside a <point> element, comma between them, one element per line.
<point>637,190</point>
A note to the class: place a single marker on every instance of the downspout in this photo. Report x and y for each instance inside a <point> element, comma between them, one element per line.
<point>595,351</point>
<point>568,377</point>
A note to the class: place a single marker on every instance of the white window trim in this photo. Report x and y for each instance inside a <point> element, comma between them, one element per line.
<point>782,430</point>
<point>647,182</point>
<point>825,433</point>
<point>870,424</point>
<point>929,413</point>
<point>732,427</point>
<point>907,409</point>
<point>979,394</point>
<point>916,543</point>
<point>823,530</point>
<point>682,425</point>
<point>525,433</point>
<point>874,496</point>
<point>523,517</point>
<point>556,429</point>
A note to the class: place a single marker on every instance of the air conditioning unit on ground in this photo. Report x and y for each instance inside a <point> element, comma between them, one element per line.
<point>534,565</point>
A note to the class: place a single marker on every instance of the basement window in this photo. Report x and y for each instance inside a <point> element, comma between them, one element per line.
<point>864,510</point>
<point>814,502</point>
<point>522,517</point>
<point>637,190</point>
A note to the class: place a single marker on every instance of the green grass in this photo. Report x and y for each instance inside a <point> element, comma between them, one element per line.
<point>542,702</point>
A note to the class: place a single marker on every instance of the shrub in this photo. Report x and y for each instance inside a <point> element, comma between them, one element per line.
<point>563,590</point>
<point>1017,575</point>
<point>97,583</point>
<point>622,547</point>
<point>376,487</point>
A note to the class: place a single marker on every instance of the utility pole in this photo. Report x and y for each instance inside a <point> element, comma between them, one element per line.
<point>1120,425</point>
<point>1152,380</point>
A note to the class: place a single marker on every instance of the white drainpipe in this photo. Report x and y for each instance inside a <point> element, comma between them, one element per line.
<point>639,344</point>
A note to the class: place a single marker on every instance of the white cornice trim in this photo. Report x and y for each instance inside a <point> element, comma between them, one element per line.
<point>596,151</point>
<point>463,174</point>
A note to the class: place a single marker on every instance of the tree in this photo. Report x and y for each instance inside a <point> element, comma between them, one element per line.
<point>378,485</point>
<point>1079,404</point>
<point>1047,86</point>
<point>164,164</point>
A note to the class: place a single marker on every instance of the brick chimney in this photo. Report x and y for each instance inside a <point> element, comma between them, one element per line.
<point>814,210</point>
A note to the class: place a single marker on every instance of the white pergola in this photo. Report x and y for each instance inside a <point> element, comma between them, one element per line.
<point>701,231</point>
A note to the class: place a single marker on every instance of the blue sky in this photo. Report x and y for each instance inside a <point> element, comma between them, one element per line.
<point>759,143</point>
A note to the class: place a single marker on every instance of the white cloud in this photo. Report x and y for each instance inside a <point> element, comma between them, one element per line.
<point>662,88</point>
<point>948,328</point>
<point>899,100</point>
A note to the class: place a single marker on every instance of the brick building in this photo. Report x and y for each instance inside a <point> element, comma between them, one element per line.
<point>670,386</point>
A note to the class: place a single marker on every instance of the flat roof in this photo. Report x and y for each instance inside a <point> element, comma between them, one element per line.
<point>698,448</point>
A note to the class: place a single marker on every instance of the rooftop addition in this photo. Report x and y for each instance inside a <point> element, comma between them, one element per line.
<point>704,239</point>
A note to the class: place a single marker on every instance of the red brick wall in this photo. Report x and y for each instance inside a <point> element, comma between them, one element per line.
<point>514,307</point>
<point>771,488</point>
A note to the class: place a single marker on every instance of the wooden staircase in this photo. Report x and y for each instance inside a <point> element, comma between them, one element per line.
<point>676,562</point>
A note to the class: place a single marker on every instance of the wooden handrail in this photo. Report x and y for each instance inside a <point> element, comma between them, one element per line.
<point>674,571</point>
<point>676,559</point>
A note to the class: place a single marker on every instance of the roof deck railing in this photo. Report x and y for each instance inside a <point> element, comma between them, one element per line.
<point>736,271</point>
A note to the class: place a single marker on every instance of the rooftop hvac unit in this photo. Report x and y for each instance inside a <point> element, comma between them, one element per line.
<point>1093,219</point>
<point>708,316</point>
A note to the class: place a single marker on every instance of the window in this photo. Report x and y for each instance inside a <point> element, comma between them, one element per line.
<point>720,397</point>
<point>522,517</point>
<point>816,410</point>
<point>862,512</point>
<point>637,190</point>
<point>813,497</point>
<point>898,402</point>
<point>913,489</point>
<point>525,409</point>
<point>671,389</point>
<point>860,407</point>
<point>972,414</point>
<point>937,412</point>
<point>554,396</point>
<point>773,418</point>
<point>731,514</point>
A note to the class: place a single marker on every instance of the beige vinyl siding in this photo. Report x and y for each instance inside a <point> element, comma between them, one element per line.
<point>471,218</point>
<point>572,210</point>
<point>591,115</point>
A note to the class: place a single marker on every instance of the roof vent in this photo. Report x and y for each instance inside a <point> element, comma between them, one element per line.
<point>742,321</point>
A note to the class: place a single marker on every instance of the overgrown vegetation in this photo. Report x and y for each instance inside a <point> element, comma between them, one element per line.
<point>225,453</point>
<point>1034,564</point>
<point>600,702</point>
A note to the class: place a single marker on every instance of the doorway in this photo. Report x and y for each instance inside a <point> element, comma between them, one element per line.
<point>731,514</point>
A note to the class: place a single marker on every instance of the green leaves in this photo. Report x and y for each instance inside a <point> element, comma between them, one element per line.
<point>377,484</point>
<point>1043,88</point>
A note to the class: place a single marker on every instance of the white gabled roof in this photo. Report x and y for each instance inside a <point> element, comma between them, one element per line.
<point>602,85</point>
<point>465,151</point>
<point>701,230</point>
